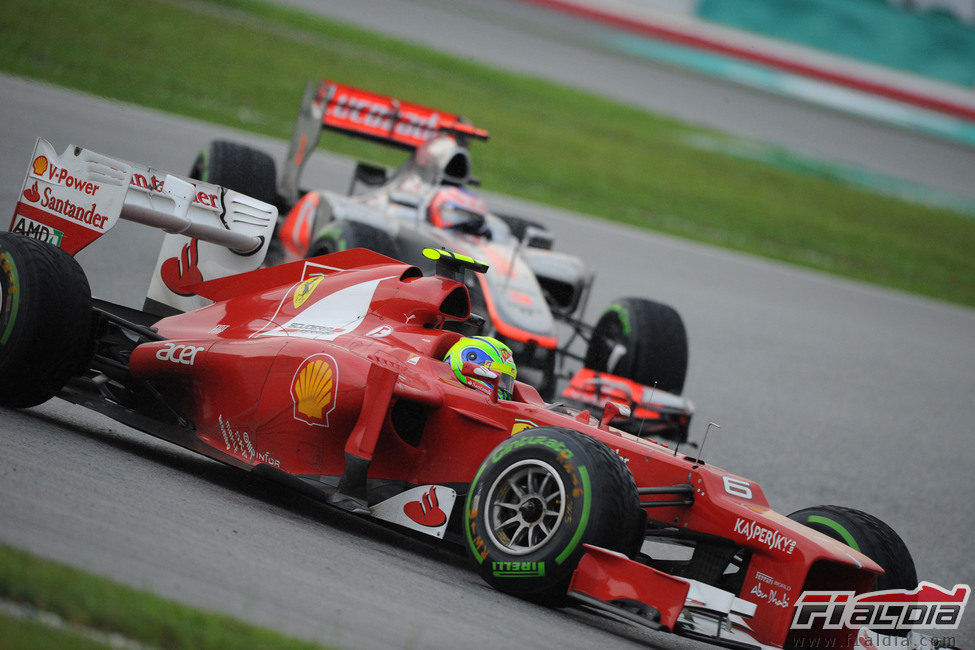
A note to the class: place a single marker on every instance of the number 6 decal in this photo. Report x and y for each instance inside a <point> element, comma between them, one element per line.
<point>736,487</point>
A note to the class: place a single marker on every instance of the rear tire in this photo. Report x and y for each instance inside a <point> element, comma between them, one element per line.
<point>237,167</point>
<point>652,340</point>
<point>342,235</point>
<point>537,499</point>
<point>46,320</point>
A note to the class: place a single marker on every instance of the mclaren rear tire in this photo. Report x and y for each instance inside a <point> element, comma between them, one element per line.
<point>46,320</point>
<point>537,499</point>
<point>641,340</point>
<point>341,234</point>
<point>237,167</point>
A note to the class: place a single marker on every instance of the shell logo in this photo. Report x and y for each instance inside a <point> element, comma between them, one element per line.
<point>304,290</point>
<point>314,389</point>
<point>40,165</point>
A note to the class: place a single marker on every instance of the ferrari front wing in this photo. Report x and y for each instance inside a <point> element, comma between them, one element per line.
<point>616,586</point>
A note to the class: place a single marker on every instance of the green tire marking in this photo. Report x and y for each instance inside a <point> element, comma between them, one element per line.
<point>576,538</point>
<point>839,528</point>
<point>205,170</point>
<point>623,315</point>
<point>523,570</point>
<point>581,529</point>
<point>7,262</point>
<point>467,509</point>
<point>330,231</point>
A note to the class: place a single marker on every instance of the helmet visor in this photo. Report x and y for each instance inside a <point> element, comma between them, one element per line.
<point>456,217</point>
<point>506,382</point>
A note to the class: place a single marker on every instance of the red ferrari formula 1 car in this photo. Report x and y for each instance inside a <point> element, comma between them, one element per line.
<point>430,201</point>
<point>327,374</point>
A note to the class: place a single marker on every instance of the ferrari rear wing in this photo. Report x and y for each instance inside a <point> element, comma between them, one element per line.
<point>73,198</point>
<point>364,114</point>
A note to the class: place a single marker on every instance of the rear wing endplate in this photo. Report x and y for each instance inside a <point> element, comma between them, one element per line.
<point>363,114</point>
<point>73,198</point>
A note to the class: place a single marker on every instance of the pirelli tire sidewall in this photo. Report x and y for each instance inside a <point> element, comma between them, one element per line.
<point>46,320</point>
<point>601,507</point>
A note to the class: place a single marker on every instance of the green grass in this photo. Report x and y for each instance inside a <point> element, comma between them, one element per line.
<point>30,635</point>
<point>97,603</point>
<point>244,63</point>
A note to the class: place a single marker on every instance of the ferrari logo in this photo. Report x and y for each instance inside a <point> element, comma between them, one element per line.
<point>305,289</point>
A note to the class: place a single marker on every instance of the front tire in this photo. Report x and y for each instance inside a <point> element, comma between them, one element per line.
<point>865,533</point>
<point>642,340</point>
<point>537,499</point>
<point>45,320</point>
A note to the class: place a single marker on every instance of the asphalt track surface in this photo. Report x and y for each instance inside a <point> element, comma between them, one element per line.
<point>826,391</point>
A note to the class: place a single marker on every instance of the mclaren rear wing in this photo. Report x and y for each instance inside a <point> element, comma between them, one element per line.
<point>73,198</point>
<point>363,114</point>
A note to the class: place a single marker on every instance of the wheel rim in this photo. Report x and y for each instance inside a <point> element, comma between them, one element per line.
<point>525,507</point>
<point>608,345</point>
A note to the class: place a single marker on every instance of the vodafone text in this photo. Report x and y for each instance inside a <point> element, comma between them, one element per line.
<point>372,114</point>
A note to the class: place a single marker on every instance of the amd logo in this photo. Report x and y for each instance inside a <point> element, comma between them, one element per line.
<point>37,230</point>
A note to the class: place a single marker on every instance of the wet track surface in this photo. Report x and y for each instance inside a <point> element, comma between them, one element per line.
<point>827,391</point>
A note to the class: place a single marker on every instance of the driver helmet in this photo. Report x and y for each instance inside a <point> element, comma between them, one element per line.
<point>457,209</point>
<point>488,352</point>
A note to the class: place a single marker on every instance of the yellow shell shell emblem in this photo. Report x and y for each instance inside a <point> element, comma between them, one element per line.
<point>304,290</point>
<point>314,389</point>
